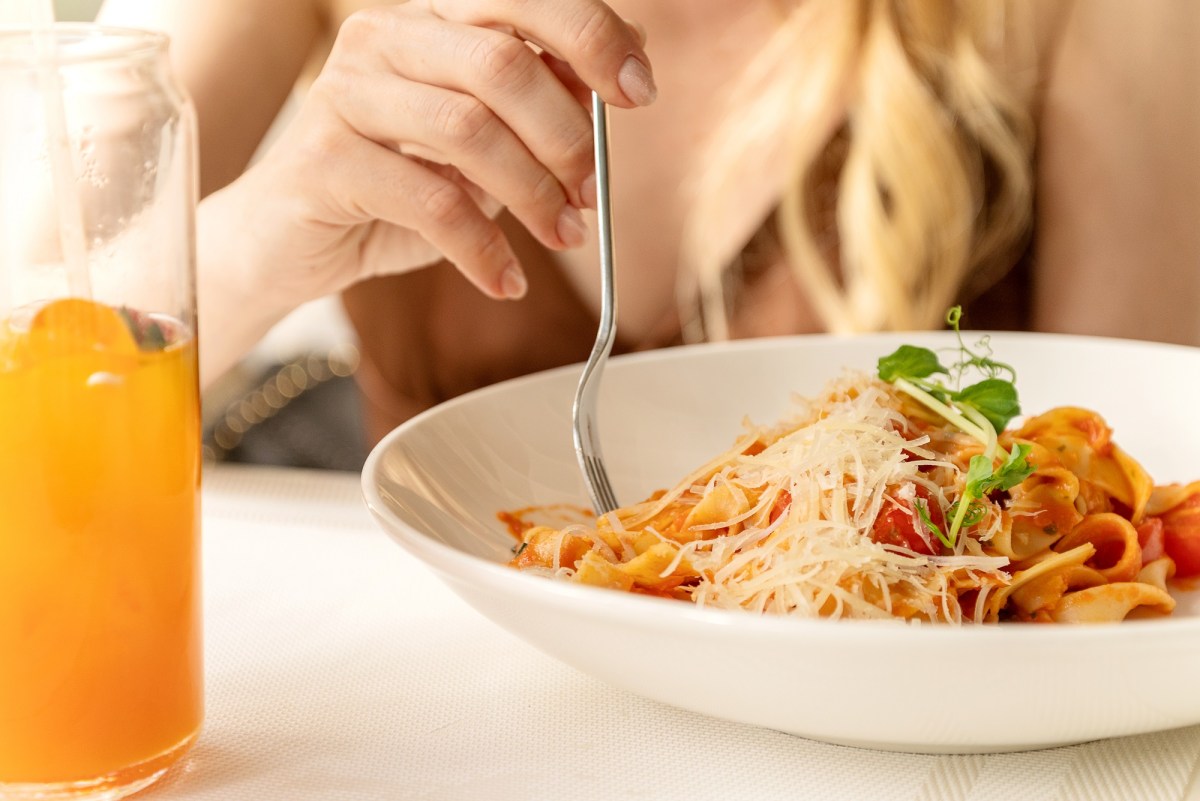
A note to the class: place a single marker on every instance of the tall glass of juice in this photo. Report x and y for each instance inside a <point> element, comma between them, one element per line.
<point>100,643</point>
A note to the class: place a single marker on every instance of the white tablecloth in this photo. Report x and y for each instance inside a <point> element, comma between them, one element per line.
<point>340,668</point>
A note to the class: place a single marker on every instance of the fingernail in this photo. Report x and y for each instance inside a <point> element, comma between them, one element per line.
<point>587,191</point>
<point>513,283</point>
<point>571,228</point>
<point>636,82</point>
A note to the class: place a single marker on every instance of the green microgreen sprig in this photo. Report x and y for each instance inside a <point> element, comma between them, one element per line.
<point>982,410</point>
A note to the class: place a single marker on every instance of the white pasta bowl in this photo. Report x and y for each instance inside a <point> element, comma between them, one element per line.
<point>436,484</point>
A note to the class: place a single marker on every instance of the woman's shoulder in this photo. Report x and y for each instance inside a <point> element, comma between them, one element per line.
<point>1086,41</point>
<point>1117,172</point>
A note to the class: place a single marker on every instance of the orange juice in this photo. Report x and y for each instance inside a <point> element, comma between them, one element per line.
<point>100,664</point>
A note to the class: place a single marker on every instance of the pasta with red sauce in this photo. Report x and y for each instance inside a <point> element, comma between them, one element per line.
<point>883,499</point>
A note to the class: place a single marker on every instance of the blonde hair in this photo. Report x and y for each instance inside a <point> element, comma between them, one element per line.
<point>903,162</point>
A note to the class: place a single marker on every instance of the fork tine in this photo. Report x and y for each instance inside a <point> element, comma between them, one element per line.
<point>604,486</point>
<point>608,500</point>
<point>604,498</point>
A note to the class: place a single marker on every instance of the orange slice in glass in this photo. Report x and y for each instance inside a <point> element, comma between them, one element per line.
<point>72,325</point>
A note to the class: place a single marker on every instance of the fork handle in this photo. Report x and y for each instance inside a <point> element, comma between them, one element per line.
<point>608,294</point>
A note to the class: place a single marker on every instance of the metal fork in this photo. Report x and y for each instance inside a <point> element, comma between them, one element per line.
<point>583,413</point>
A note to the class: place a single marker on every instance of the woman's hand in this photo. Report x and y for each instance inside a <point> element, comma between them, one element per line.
<point>427,119</point>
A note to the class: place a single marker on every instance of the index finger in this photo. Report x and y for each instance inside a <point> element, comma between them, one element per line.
<point>605,52</point>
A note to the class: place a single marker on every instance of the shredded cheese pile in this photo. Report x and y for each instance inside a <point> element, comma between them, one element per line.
<point>839,466</point>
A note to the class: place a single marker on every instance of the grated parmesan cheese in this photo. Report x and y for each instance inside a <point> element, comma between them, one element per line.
<point>839,460</point>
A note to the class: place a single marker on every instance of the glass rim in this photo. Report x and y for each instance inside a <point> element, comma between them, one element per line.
<point>116,43</point>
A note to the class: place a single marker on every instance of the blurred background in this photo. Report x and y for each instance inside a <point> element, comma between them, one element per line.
<point>78,10</point>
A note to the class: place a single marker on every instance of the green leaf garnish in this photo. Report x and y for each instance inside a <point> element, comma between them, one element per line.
<point>994,398</point>
<point>978,471</point>
<point>1015,469</point>
<point>973,516</point>
<point>923,513</point>
<point>982,409</point>
<point>910,361</point>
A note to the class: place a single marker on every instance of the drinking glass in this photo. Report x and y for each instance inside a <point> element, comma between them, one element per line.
<point>100,646</point>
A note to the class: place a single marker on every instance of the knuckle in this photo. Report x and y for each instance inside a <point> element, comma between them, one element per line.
<point>445,205</point>
<point>490,248</point>
<point>335,83</point>
<point>595,31</point>
<point>503,61</point>
<point>462,120</point>
<point>322,147</point>
<point>360,28</point>
<point>546,191</point>
<point>577,149</point>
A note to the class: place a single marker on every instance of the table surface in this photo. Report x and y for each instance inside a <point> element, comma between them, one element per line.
<point>339,667</point>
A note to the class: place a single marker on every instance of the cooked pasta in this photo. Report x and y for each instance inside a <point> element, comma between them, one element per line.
<point>877,499</point>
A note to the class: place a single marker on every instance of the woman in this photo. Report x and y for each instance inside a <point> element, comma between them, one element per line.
<point>778,167</point>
